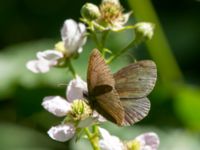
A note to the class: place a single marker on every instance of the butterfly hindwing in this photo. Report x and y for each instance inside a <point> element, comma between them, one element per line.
<point>133,83</point>
<point>136,80</point>
<point>108,104</point>
<point>135,109</point>
<point>111,107</point>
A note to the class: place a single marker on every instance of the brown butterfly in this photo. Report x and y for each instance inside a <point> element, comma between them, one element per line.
<point>120,97</point>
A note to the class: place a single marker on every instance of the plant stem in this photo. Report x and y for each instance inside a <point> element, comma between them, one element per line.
<point>93,138</point>
<point>134,43</point>
<point>95,38</point>
<point>71,68</point>
<point>103,40</point>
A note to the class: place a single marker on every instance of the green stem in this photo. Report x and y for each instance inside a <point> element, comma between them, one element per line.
<point>93,138</point>
<point>71,68</point>
<point>103,40</point>
<point>134,43</point>
<point>96,40</point>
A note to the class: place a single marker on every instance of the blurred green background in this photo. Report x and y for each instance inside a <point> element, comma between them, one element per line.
<point>28,26</point>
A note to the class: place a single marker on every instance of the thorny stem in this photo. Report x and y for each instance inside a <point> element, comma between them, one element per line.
<point>93,137</point>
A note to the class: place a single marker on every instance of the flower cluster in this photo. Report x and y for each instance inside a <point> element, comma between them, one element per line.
<point>97,22</point>
<point>108,16</point>
<point>75,110</point>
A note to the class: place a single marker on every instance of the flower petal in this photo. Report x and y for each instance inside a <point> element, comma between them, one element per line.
<point>148,141</point>
<point>68,30</point>
<point>38,66</point>
<point>73,36</point>
<point>62,133</point>
<point>51,56</point>
<point>75,89</point>
<point>56,105</point>
<point>109,142</point>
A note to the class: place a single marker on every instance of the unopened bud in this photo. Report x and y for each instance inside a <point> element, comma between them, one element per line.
<point>145,30</point>
<point>90,11</point>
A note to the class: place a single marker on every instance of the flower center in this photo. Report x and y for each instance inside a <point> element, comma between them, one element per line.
<point>110,12</point>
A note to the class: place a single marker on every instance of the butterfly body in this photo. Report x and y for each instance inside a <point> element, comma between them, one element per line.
<point>120,97</point>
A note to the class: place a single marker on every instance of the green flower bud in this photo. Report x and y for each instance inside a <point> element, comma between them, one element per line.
<point>90,11</point>
<point>144,30</point>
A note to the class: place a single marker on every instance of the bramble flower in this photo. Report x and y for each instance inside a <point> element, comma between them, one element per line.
<point>73,38</point>
<point>109,142</point>
<point>112,14</point>
<point>146,141</point>
<point>76,112</point>
<point>45,60</point>
<point>108,16</point>
<point>62,133</point>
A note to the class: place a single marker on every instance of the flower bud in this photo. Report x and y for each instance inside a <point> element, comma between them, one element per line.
<point>144,29</point>
<point>90,11</point>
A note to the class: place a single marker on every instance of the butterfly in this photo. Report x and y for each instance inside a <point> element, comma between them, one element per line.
<point>120,97</point>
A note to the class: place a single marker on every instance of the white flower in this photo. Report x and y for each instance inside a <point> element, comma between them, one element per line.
<point>112,16</point>
<point>74,36</point>
<point>109,142</point>
<point>62,133</point>
<point>75,89</point>
<point>60,106</point>
<point>56,105</point>
<point>148,141</point>
<point>44,61</point>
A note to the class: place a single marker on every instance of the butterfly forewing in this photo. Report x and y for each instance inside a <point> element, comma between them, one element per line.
<point>108,104</point>
<point>136,80</point>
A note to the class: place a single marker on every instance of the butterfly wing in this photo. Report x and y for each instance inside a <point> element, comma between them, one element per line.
<point>108,104</point>
<point>135,109</point>
<point>133,83</point>
<point>136,80</point>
